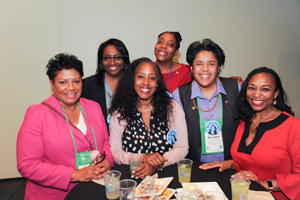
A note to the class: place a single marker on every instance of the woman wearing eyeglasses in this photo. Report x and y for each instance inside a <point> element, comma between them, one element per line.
<point>166,48</point>
<point>61,140</point>
<point>113,58</point>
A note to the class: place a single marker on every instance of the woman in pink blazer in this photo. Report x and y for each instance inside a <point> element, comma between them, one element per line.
<point>64,140</point>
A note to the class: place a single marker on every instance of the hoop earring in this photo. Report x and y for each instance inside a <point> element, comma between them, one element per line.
<point>125,65</point>
<point>101,67</point>
<point>191,74</point>
<point>152,52</point>
<point>274,102</point>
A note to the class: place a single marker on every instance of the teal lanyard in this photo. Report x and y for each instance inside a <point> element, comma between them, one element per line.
<point>107,97</point>
<point>72,132</point>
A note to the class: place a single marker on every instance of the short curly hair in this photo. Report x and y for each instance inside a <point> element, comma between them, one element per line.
<point>63,61</point>
<point>125,98</point>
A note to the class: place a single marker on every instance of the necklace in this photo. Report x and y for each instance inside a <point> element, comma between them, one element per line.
<point>254,128</point>
<point>144,110</point>
<point>195,104</point>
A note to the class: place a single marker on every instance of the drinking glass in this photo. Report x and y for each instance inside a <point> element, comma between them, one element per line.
<point>184,170</point>
<point>239,189</point>
<point>127,189</point>
<point>112,181</point>
<point>135,161</point>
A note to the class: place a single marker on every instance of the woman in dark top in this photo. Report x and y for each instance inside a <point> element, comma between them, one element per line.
<point>113,58</point>
<point>209,101</point>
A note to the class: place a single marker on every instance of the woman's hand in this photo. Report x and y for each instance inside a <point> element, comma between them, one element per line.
<point>224,165</point>
<point>90,172</point>
<point>104,165</point>
<point>86,174</point>
<point>239,79</point>
<point>249,175</point>
<point>143,170</point>
<point>155,160</point>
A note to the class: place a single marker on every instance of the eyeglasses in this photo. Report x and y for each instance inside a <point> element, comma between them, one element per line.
<point>99,158</point>
<point>116,59</point>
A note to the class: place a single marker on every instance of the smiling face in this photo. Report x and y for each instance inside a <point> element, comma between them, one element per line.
<point>261,92</point>
<point>165,48</point>
<point>205,70</point>
<point>145,82</point>
<point>112,61</point>
<point>67,87</point>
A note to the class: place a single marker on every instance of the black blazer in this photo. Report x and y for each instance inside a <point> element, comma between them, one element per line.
<point>94,89</point>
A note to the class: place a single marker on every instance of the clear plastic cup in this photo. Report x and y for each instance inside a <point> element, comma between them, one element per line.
<point>112,181</point>
<point>135,161</point>
<point>239,189</point>
<point>127,189</point>
<point>184,170</point>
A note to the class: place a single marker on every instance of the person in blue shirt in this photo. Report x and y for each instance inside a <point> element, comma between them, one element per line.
<point>209,101</point>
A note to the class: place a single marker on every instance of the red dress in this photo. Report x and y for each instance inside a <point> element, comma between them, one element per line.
<point>179,77</point>
<point>274,153</point>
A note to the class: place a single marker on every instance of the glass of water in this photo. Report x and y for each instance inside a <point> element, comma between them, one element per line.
<point>127,189</point>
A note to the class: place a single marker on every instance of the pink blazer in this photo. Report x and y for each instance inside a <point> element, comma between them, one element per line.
<point>45,149</point>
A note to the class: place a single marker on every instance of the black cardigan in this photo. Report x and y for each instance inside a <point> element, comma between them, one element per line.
<point>94,89</point>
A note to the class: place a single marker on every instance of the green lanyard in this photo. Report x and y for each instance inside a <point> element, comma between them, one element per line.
<point>202,124</point>
<point>72,132</point>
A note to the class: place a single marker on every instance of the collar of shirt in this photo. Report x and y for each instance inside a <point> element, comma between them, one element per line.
<point>196,92</point>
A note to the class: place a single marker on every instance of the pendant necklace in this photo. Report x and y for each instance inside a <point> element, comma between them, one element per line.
<point>254,128</point>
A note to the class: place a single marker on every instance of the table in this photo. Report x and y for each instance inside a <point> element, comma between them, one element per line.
<point>91,190</point>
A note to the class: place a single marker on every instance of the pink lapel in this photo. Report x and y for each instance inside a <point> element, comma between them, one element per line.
<point>78,135</point>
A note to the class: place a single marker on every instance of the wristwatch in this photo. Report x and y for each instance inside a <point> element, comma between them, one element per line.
<point>270,185</point>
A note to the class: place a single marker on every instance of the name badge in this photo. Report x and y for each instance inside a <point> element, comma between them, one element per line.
<point>83,159</point>
<point>213,139</point>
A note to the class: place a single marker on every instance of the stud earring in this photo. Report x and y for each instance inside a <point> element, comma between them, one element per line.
<point>274,102</point>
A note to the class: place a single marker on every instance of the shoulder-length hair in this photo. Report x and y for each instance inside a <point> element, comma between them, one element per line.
<point>120,46</point>
<point>125,99</point>
<point>246,112</point>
